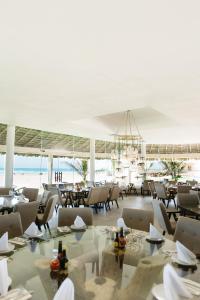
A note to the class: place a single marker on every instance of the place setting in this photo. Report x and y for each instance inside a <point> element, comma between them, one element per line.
<point>184,258</point>
<point>6,293</point>
<point>79,224</point>
<point>175,287</point>
<point>6,247</point>
<point>154,237</point>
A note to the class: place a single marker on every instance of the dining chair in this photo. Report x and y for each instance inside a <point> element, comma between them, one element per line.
<point>162,193</point>
<point>162,218</point>
<point>4,191</point>
<point>145,187</point>
<point>93,198</point>
<point>188,233</point>
<point>138,218</point>
<point>183,188</point>
<point>152,189</point>
<point>12,224</point>
<point>114,195</point>
<point>45,197</point>
<point>67,215</point>
<point>44,218</point>
<point>103,195</point>
<point>28,213</point>
<point>30,193</point>
<point>187,199</point>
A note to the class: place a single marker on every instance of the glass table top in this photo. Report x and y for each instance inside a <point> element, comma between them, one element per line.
<point>96,269</point>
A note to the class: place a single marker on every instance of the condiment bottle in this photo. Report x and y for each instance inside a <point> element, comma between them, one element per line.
<point>59,250</point>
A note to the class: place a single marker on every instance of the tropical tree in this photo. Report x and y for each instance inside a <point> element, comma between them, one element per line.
<point>80,166</point>
<point>174,168</point>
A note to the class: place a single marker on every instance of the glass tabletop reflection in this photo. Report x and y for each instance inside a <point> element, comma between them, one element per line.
<point>97,270</point>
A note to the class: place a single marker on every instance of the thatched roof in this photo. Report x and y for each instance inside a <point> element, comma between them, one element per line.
<point>31,141</point>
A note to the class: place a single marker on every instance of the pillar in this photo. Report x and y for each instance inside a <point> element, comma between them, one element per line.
<point>50,168</point>
<point>9,163</point>
<point>92,160</point>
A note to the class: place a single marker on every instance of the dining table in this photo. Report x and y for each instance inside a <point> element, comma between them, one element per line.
<point>191,210</point>
<point>97,270</point>
<point>7,203</point>
<point>75,196</point>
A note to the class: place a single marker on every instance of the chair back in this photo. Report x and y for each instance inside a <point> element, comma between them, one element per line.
<point>11,223</point>
<point>49,209</point>
<point>137,218</point>
<point>30,193</point>
<point>45,197</point>
<point>158,214</point>
<point>4,191</point>
<point>104,193</point>
<point>188,233</point>
<point>183,188</point>
<point>115,193</point>
<point>66,216</point>
<point>168,226</point>
<point>94,195</point>
<point>145,185</point>
<point>160,190</point>
<point>28,213</point>
<point>187,199</point>
<point>152,188</point>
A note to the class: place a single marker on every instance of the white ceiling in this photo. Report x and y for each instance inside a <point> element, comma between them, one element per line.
<point>65,65</point>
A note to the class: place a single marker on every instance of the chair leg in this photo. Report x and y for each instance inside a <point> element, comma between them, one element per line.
<point>117,203</point>
<point>47,224</point>
<point>96,210</point>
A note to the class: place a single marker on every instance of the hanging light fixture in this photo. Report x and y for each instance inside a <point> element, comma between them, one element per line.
<point>128,142</point>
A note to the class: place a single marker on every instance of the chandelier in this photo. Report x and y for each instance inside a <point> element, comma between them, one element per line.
<point>128,142</point>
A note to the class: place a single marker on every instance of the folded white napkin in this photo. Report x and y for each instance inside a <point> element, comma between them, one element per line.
<point>154,233</point>
<point>184,254</point>
<point>78,222</point>
<point>23,199</point>
<point>65,291</point>
<point>174,287</point>
<point>4,242</point>
<point>121,223</point>
<point>3,277</point>
<point>32,230</point>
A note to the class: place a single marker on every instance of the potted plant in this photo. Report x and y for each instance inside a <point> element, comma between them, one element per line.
<point>174,168</point>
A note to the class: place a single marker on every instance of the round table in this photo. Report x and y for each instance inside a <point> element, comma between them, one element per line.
<point>97,271</point>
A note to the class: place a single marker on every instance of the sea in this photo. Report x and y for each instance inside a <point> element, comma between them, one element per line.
<point>37,170</point>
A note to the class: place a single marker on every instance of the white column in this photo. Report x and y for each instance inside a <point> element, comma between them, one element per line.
<point>9,164</point>
<point>143,151</point>
<point>92,160</point>
<point>50,168</point>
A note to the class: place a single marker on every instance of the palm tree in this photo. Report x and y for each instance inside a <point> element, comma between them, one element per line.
<point>174,168</point>
<point>80,166</point>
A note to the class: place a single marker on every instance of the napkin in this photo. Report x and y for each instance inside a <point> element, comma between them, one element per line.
<point>32,230</point>
<point>4,242</point>
<point>78,222</point>
<point>121,223</point>
<point>174,288</point>
<point>66,291</point>
<point>184,254</point>
<point>3,277</point>
<point>23,199</point>
<point>154,233</point>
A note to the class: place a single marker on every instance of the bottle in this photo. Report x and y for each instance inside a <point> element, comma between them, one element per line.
<point>116,241</point>
<point>59,250</point>
<point>122,240</point>
<point>64,260</point>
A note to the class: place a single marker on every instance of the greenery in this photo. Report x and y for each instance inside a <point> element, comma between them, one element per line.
<point>174,168</point>
<point>80,166</point>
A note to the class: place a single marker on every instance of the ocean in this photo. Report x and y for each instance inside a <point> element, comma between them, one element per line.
<point>37,170</point>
